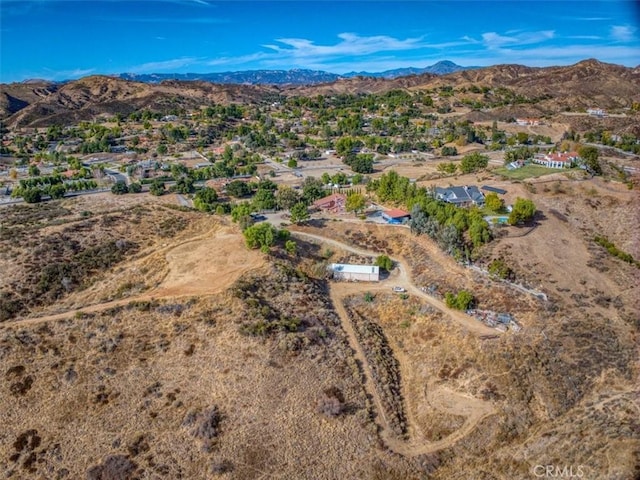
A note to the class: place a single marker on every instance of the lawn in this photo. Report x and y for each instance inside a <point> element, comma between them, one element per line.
<point>529,171</point>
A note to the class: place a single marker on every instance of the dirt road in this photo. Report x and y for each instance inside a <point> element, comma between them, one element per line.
<point>403,279</point>
<point>438,397</point>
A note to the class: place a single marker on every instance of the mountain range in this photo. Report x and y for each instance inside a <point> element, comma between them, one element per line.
<point>291,77</point>
<point>554,90</point>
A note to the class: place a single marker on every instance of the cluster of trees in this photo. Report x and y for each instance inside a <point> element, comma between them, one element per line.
<point>627,141</point>
<point>264,236</point>
<point>455,229</point>
<point>469,164</point>
<point>590,157</point>
<point>120,188</point>
<point>520,153</point>
<point>33,190</point>
<point>473,162</point>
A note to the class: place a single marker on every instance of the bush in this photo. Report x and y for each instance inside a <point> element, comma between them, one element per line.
<point>135,188</point>
<point>114,467</point>
<point>208,427</point>
<point>384,262</point>
<point>498,268</point>
<point>119,188</point>
<point>331,402</point>
<point>461,301</point>
<point>32,195</point>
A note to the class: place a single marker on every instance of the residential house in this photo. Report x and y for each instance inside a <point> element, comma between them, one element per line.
<point>334,203</point>
<point>463,196</point>
<point>556,160</point>
<point>396,216</point>
<point>362,273</point>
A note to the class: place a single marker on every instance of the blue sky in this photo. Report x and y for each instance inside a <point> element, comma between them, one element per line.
<point>58,39</point>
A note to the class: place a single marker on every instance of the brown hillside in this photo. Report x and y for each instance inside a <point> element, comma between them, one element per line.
<point>92,96</point>
<point>557,89</point>
<point>586,84</point>
<point>16,96</point>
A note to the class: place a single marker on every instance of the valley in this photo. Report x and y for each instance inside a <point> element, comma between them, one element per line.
<point>170,305</point>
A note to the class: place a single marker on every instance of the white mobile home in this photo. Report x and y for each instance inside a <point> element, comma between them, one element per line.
<point>362,273</point>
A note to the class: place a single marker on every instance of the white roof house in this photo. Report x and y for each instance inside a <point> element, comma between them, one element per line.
<point>363,273</point>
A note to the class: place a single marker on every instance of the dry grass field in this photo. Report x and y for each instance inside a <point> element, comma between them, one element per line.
<point>158,346</point>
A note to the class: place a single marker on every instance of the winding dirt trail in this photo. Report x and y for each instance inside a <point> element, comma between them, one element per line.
<point>440,398</point>
<point>189,275</point>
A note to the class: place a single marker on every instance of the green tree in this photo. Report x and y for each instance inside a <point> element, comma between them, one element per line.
<point>287,197</point>
<point>157,188</point>
<point>355,202</point>
<point>589,155</point>
<point>493,202</point>
<point>162,149</point>
<point>360,163</point>
<point>205,199</point>
<point>238,189</point>
<point>135,188</point>
<point>33,171</point>
<point>240,210</point>
<point>292,163</point>
<point>473,162</point>
<point>461,301</point>
<point>299,213</point>
<point>32,195</point>
<point>262,235</point>
<point>119,188</point>
<point>312,189</point>
<point>383,261</point>
<point>523,210</point>
<point>57,191</point>
<point>184,185</point>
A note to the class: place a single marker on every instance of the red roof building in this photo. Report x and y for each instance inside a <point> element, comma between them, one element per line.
<point>334,203</point>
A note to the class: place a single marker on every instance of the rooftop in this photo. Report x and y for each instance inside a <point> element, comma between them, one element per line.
<point>396,213</point>
<point>348,268</point>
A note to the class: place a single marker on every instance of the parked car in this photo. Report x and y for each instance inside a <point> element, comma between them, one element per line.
<point>399,289</point>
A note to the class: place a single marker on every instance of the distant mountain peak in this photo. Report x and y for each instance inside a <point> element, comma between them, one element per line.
<point>295,76</point>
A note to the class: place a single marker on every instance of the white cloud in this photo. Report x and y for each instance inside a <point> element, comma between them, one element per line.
<point>165,65</point>
<point>350,44</point>
<point>494,40</point>
<point>622,33</point>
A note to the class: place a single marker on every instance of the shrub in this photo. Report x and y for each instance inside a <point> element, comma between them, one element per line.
<point>119,188</point>
<point>114,467</point>
<point>331,402</point>
<point>135,188</point>
<point>498,268</point>
<point>384,262</point>
<point>461,301</point>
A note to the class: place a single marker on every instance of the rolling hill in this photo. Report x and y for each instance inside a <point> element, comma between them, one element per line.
<point>553,90</point>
